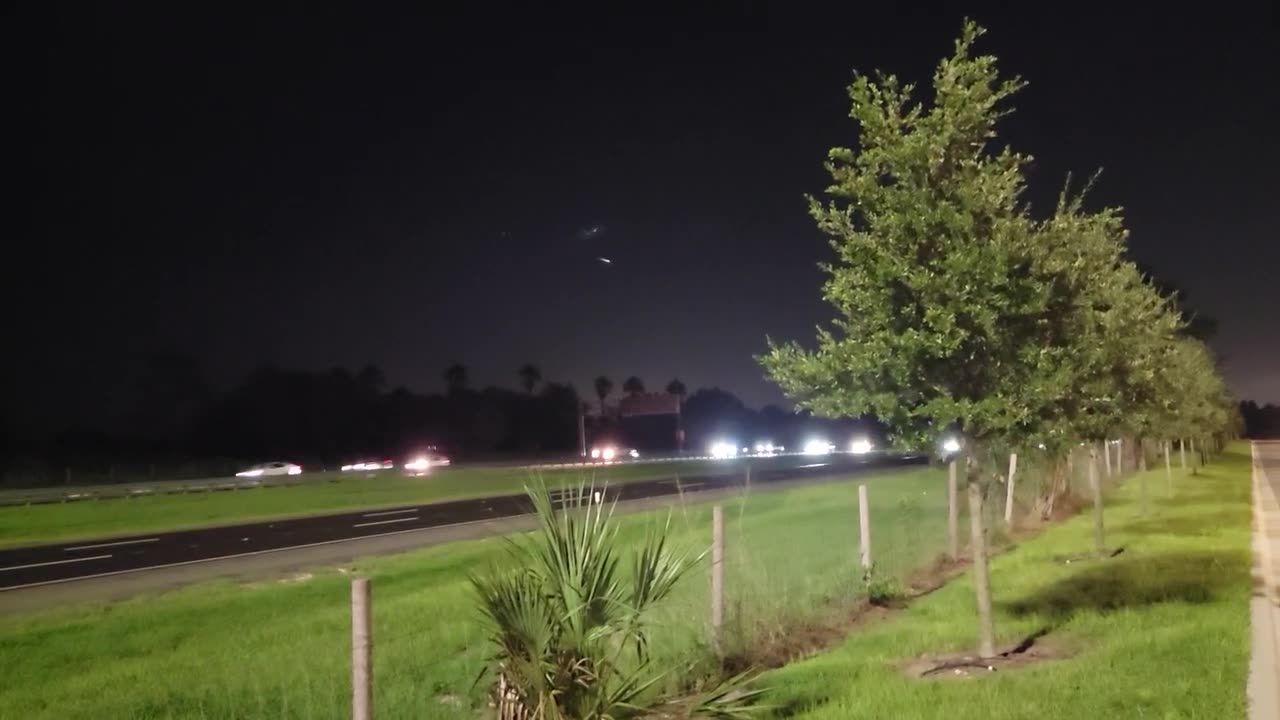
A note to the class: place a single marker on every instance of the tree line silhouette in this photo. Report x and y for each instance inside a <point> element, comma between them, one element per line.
<point>179,424</point>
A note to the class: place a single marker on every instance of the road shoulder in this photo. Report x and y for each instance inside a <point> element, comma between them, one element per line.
<point>1264,605</point>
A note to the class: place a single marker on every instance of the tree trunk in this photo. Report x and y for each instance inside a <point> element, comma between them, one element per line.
<point>1106,456</point>
<point>1140,447</point>
<point>953,513</point>
<point>1193,456</point>
<point>981,578</point>
<point>1182,451</point>
<point>1168,467</point>
<point>1095,486</point>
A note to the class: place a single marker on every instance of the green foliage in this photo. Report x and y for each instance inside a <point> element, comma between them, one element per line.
<point>944,317</point>
<point>568,623</point>
<point>955,307</point>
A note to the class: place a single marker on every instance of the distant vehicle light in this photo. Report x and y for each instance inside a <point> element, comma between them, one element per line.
<point>722,450</point>
<point>860,446</point>
<point>634,453</point>
<point>608,453</point>
<point>250,473</point>
<point>817,446</point>
<point>295,469</point>
<point>595,453</point>
<point>759,447</point>
<point>418,464</point>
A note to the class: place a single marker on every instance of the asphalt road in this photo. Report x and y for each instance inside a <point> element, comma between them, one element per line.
<point>62,562</point>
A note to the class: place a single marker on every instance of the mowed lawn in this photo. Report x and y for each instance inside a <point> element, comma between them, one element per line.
<point>280,648</point>
<point>31,524</point>
<point>1160,631</point>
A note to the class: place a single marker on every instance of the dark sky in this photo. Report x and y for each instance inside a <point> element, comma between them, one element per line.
<point>322,187</point>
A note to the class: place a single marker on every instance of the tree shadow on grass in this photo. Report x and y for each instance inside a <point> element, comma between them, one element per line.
<point>1135,581</point>
<point>1192,525</point>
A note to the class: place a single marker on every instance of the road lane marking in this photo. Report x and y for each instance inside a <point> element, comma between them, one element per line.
<point>54,562</point>
<point>390,512</point>
<point>354,538</point>
<point>384,522</point>
<point>111,544</point>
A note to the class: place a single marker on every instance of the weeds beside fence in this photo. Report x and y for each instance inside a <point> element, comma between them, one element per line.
<point>791,573</point>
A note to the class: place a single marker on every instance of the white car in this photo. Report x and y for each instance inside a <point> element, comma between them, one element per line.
<point>422,463</point>
<point>612,453</point>
<point>369,465</point>
<point>271,468</point>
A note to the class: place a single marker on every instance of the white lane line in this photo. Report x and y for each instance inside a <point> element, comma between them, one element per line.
<point>385,522</point>
<point>54,562</point>
<point>252,553</point>
<point>390,512</point>
<point>112,544</point>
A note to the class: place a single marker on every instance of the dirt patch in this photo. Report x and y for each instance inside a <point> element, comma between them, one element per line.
<point>788,642</point>
<point>926,580</point>
<point>1035,649</point>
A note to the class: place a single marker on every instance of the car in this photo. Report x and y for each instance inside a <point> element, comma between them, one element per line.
<point>366,465</point>
<point>271,468</point>
<point>421,463</point>
<point>612,453</point>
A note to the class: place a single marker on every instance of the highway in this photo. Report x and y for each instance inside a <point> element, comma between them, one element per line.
<point>26,567</point>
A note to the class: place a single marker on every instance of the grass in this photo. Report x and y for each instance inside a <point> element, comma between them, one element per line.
<point>280,648</point>
<point>1160,631</point>
<point>23,525</point>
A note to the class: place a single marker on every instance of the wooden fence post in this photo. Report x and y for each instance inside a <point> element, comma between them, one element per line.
<point>864,532</point>
<point>1008,496</point>
<point>361,651</point>
<point>1095,487</point>
<point>717,574</point>
<point>953,513</point>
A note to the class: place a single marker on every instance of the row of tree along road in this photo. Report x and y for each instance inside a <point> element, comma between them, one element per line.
<point>959,309</point>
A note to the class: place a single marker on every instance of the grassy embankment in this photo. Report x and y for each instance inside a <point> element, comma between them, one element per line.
<point>280,648</point>
<point>1160,631</point>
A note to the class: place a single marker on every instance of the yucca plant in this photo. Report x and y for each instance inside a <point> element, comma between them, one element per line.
<point>568,621</point>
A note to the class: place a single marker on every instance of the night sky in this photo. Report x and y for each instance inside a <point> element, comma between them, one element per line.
<point>327,187</point>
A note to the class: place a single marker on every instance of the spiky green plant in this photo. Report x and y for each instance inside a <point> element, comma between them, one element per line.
<point>567,622</point>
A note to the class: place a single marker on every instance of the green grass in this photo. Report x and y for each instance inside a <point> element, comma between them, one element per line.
<point>31,524</point>
<point>280,649</point>
<point>1159,632</point>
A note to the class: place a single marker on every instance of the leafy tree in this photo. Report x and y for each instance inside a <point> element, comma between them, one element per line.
<point>633,386</point>
<point>455,378</point>
<point>677,388</point>
<point>530,376</point>
<point>945,296</point>
<point>604,386</point>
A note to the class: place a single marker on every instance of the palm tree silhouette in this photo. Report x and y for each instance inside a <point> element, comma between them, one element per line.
<point>604,386</point>
<point>455,377</point>
<point>633,386</point>
<point>530,376</point>
<point>677,388</point>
